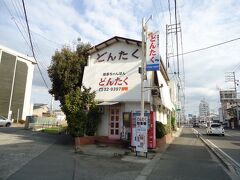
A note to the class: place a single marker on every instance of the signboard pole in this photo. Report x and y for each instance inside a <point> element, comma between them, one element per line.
<point>143,75</point>
<point>143,67</point>
<point>144,29</point>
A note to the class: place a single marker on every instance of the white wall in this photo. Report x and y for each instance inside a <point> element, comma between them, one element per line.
<point>161,117</point>
<point>103,125</point>
<point>101,71</point>
<point>28,89</point>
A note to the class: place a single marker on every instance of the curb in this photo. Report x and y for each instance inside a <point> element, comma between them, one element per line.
<point>146,171</point>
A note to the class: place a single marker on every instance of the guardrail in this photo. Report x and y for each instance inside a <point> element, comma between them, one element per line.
<point>227,161</point>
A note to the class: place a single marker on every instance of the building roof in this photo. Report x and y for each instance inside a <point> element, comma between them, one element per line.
<point>39,105</point>
<point>18,54</point>
<point>112,41</point>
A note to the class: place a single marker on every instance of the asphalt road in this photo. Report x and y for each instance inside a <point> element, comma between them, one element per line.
<point>230,143</point>
<point>32,155</point>
<point>18,147</point>
<point>188,159</point>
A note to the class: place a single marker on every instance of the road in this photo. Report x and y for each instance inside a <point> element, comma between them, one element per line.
<point>18,147</point>
<point>33,155</point>
<point>188,159</point>
<point>230,143</point>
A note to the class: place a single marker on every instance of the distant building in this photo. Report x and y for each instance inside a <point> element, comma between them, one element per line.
<point>60,116</point>
<point>203,110</point>
<point>16,74</point>
<point>230,106</point>
<point>40,109</point>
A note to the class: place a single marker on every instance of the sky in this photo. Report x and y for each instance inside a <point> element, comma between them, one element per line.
<point>55,23</point>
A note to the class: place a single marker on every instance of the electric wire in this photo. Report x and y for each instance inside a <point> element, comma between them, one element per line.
<point>19,16</point>
<point>16,23</point>
<point>30,39</point>
<point>176,22</point>
<point>208,47</point>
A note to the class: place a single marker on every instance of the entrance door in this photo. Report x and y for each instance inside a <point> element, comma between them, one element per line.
<point>114,123</point>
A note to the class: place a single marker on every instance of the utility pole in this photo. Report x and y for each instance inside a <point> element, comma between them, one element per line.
<point>171,29</point>
<point>175,1</point>
<point>143,70</point>
<point>143,62</point>
<point>230,77</point>
<point>174,29</point>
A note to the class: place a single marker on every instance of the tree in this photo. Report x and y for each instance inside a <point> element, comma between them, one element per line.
<point>66,70</point>
<point>79,106</point>
<point>66,73</point>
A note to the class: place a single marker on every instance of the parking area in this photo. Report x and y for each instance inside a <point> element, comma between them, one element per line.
<point>19,146</point>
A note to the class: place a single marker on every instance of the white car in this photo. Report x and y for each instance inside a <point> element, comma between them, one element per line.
<point>215,128</point>
<point>5,122</point>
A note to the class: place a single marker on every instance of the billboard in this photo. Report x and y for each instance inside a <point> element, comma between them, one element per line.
<point>141,134</point>
<point>115,82</point>
<point>152,52</point>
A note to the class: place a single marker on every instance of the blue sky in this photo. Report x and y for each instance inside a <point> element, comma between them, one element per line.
<point>60,22</point>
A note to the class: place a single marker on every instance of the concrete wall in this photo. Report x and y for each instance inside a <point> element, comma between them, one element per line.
<point>16,74</point>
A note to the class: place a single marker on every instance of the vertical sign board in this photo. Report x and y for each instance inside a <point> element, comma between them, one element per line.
<point>135,114</point>
<point>152,52</point>
<point>141,134</point>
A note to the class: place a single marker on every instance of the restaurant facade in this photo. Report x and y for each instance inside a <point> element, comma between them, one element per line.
<point>113,72</point>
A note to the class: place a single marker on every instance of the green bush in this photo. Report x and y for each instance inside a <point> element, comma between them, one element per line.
<point>93,119</point>
<point>173,123</point>
<point>160,130</point>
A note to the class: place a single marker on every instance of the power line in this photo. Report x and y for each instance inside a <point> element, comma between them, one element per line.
<point>54,42</point>
<point>169,10</point>
<point>30,39</point>
<point>208,47</point>
<point>175,7</point>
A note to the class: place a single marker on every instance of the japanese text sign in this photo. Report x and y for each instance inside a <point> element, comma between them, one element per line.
<point>141,134</point>
<point>152,52</point>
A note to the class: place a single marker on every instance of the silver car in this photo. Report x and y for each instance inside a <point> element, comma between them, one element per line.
<point>215,128</point>
<point>5,122</point>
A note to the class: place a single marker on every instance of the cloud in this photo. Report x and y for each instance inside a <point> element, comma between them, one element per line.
<point>205,24</point>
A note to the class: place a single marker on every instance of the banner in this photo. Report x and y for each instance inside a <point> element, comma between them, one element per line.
<point>141,134</point>
<point>152,52</point>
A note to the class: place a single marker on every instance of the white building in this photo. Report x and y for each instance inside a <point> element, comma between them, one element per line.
<point>16,74</point>
<point>204,110</point>
<point>113,72</point>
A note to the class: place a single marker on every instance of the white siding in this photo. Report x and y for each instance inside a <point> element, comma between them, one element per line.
<point>103,125</point>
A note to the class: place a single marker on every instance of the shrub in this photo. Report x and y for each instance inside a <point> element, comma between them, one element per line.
<point>20,121</point>
<point>173,123</point>
<point>160,130</point>
<point>93,119</point>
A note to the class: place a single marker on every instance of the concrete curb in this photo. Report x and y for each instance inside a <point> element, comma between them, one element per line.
<point>146,171</point>
<point>223,157</point>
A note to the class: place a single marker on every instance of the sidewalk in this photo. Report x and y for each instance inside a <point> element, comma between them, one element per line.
<point>123,153</point>
<point>60,161</point>
<point>186,158</point>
